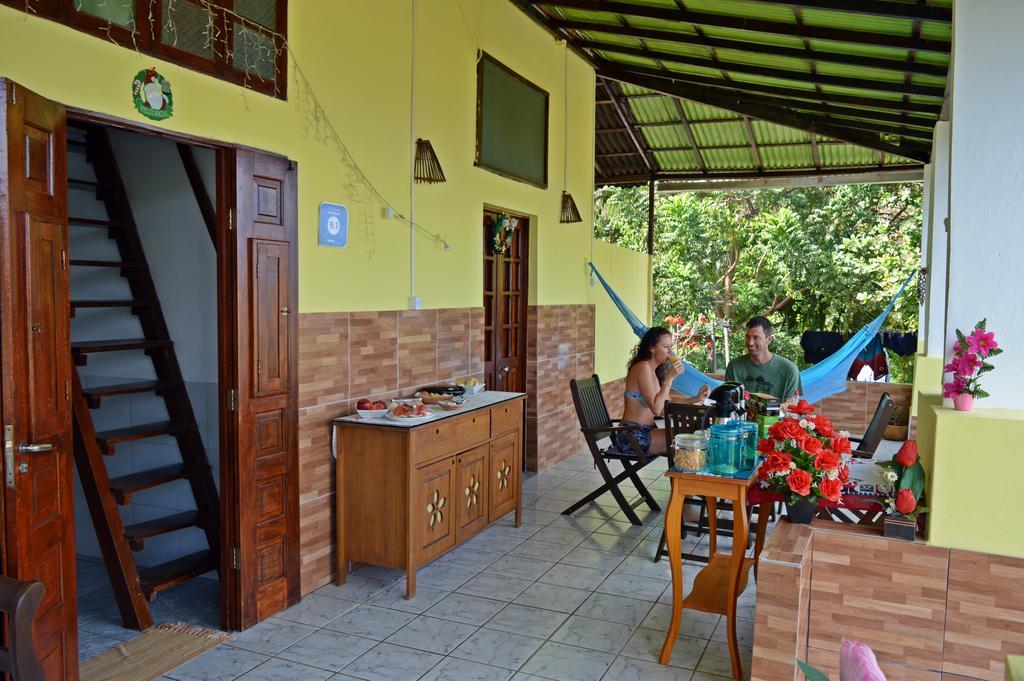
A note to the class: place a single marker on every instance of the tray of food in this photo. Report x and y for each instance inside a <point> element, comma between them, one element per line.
<point>452,403</point>
<point>409,414</point>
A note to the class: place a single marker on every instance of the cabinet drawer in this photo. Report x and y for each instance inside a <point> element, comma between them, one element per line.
<point>506,417</point>
<point>450,436</point>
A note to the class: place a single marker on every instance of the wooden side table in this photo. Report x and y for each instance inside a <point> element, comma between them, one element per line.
<point>717,586</point>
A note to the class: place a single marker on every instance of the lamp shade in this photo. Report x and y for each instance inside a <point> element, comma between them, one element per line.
<point>427,167</point>
<point>569,211</point>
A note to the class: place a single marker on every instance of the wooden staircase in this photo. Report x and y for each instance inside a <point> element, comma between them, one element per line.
<point>135,586</point>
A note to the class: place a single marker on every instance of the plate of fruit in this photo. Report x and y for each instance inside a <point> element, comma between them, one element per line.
<point>409,413</point>
<point>368,409</point>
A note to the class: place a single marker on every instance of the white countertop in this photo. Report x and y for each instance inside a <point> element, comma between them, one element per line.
<point>487,398</point>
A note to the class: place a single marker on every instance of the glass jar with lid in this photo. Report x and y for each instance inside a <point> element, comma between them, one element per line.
<point>725,449</point>
<point>690,452</point>
<point>749,431</point>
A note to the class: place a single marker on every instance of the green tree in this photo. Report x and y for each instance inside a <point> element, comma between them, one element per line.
<point>809,258</point>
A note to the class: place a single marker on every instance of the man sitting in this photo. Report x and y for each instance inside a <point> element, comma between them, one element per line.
<point>761,370</point>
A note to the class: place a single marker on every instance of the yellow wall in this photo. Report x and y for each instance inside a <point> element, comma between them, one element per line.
<point>357,56</point>
<point>927,378</point>
<point>975,476</point>
<point>626,272</point>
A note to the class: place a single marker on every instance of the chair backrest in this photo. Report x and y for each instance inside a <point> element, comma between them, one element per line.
<point>590,407</point>
<point>681,418</point>
<point>19,601</point>
<point>873,435</point>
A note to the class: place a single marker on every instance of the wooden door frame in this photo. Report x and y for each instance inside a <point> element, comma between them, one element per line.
<point>525,269</point>
<point>228,357</point>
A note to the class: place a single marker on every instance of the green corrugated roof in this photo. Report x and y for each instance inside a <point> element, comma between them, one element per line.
<point>867,77</point>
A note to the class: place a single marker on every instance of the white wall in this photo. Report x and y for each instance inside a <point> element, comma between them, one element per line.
<point>986,276</point>
<point>183,263</point>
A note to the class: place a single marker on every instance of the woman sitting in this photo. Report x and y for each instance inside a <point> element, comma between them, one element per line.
<point>648,385</point>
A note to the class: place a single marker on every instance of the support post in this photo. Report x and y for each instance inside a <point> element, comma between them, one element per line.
<point>650,249</point>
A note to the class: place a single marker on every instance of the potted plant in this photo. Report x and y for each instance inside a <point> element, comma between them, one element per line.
<point>898,426</point>
<point>904,476</point>
<point>805,459</point>
<point>969,363</point>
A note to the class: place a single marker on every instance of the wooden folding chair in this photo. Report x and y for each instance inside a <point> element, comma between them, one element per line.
<point>596,425</point>
<point>19,601</point>
<point>867,445</point>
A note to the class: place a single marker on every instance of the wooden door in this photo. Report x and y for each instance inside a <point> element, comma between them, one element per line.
<point>36,369</point>
<point>503,475</point>
<point>432,512</point>
<point>262,518</point>
<point>505,283</point>
<point>471,492</point>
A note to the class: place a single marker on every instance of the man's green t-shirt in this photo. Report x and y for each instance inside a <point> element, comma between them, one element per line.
<point>778,378</point>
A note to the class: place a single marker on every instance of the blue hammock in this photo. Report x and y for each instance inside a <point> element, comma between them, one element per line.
<point>822,380</point>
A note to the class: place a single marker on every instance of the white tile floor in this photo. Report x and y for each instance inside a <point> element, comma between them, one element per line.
<point>563,598</point>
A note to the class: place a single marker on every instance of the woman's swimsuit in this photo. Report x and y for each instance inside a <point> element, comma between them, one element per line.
<point>642,433</point>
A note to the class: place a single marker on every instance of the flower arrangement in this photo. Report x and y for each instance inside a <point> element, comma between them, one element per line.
<point>805,458</point>
<point>905,478</point>
<point>503,231</point>
<point>969,364</point>
<point>694,339</point>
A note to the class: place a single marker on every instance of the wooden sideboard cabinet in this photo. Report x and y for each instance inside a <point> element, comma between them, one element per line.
<point>406,494</point>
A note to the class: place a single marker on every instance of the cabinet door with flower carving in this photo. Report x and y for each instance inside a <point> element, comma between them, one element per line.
<point>471,492</point>
<point>433,511</point>
<point>503,476</point>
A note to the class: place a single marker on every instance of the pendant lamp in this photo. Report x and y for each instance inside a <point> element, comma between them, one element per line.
<point>427,167</point>
<point>569,211</point>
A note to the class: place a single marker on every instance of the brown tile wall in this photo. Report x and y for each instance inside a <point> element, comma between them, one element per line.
<point>926,611</point>
<point>783,577</point>
<point>852,410</point>
<point>559,348</point>
<point>344,357</point>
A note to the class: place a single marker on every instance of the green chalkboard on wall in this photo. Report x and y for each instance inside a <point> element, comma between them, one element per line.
<point>511,124</point>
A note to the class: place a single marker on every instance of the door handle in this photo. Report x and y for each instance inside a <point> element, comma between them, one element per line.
<point>505,370</point>
<point>26,448</point>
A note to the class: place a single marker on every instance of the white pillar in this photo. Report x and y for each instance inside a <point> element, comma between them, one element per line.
<point>938,198</point>
<point>986,239</point>
<point>926,200</point>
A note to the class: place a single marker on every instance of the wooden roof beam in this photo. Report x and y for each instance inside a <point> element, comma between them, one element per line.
<point>753,25</point>
<point>788,93</point>
<point>754,48</point>
<point>627,119</point>
<point>814,151</point>
<point>753,143</point>
<point>735,101</point>
<point>871,173</point>
<point>689,134</point>
<point>877,8</point>
<point>903,87</point>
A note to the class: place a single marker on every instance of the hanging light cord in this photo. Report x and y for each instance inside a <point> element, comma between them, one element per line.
<point>565,114</point>
<point>412,161</point>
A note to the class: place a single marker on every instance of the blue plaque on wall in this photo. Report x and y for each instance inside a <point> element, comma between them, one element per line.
<point>333,225</point>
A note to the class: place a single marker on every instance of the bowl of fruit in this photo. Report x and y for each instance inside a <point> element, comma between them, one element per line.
<point>472,385</point>
<point>368,409</point>
<point>410,414</point>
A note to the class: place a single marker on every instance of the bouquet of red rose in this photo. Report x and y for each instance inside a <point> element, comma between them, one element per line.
<point>805,458</point>
<point>905,478</point>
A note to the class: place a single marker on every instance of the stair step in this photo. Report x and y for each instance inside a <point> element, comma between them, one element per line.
<point>93,222</point>
<point>135,305</point>
<point>109,439</point>
<point>105,263</point>
<point>138,533</point>
<point>159,577</point>
<point>126,485</point>
<point>95,395</point>
<point>86,184</point>
<point>82,348</point>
